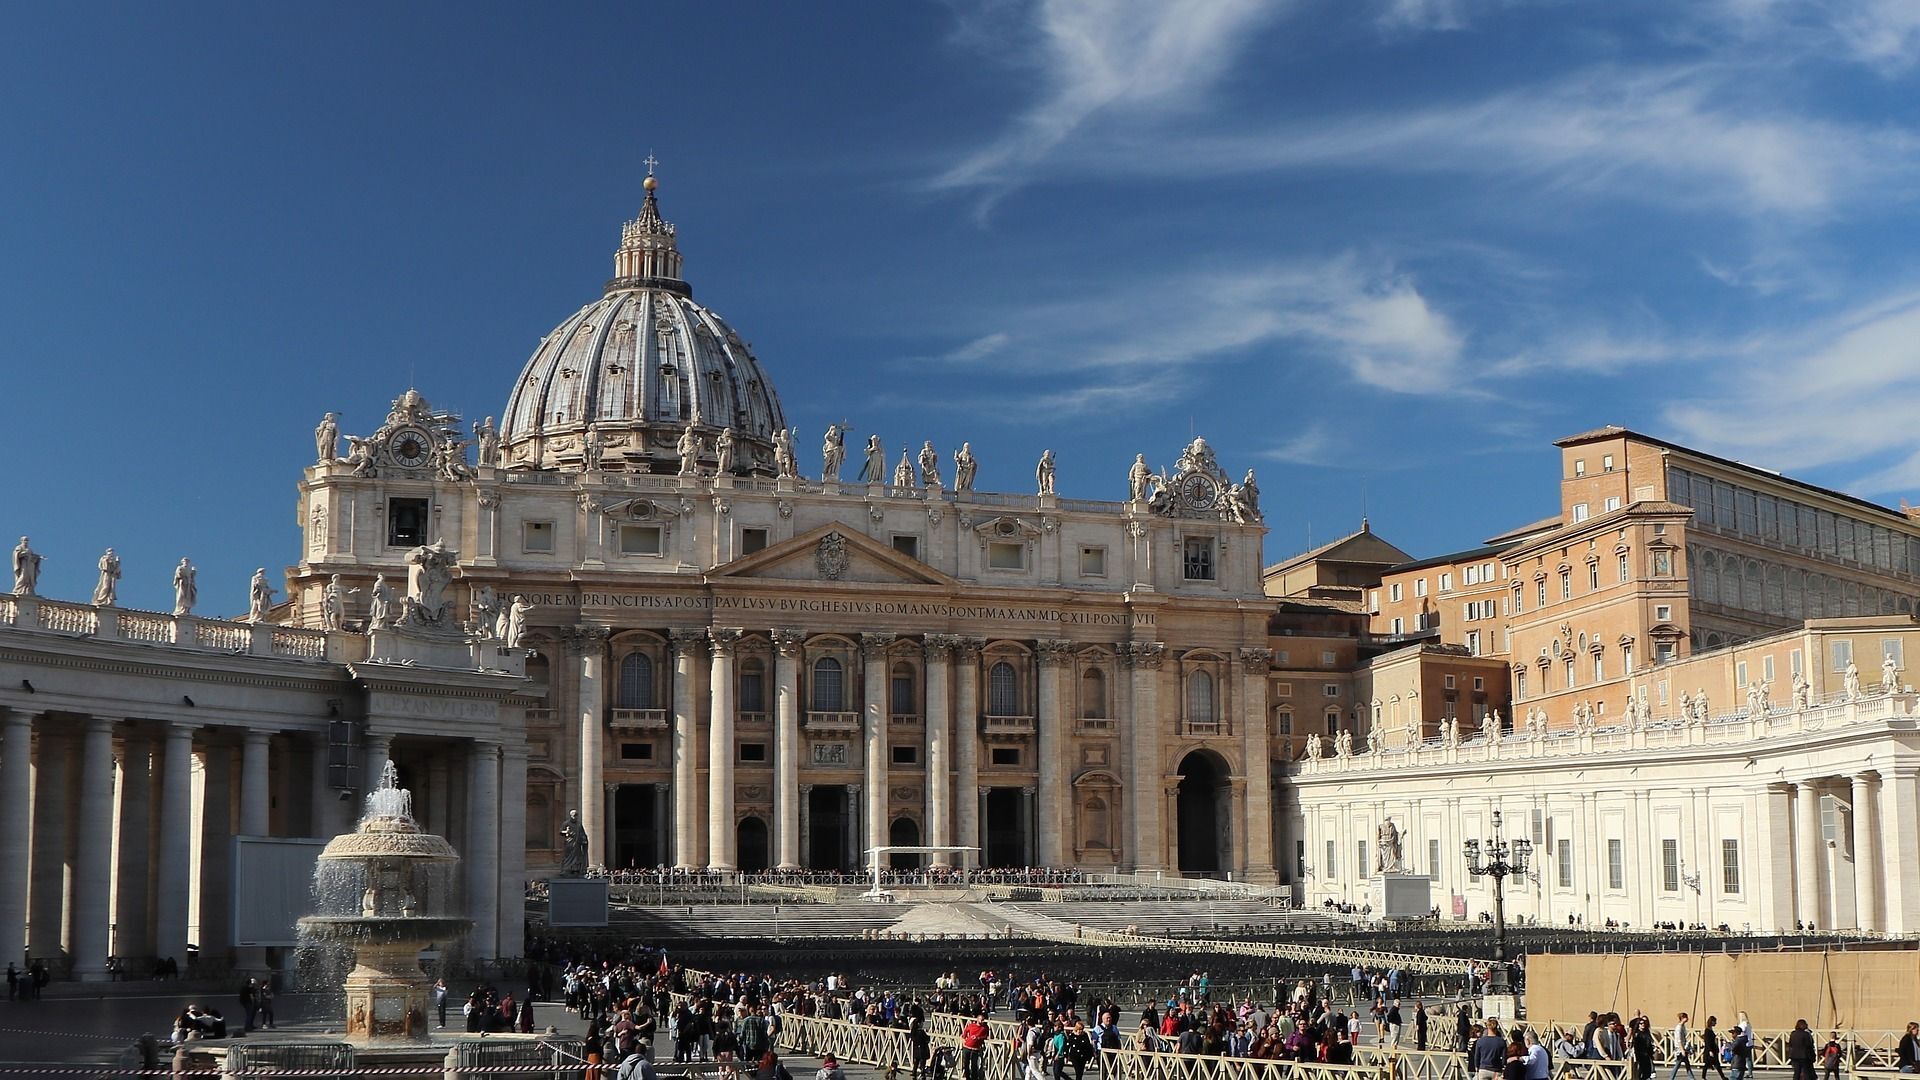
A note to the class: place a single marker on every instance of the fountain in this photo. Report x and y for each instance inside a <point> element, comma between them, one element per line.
<point>385,892</point>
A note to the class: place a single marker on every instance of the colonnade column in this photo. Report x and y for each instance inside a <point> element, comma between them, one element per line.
<point>786,747</point>
<point>1900,818</point>
<point>512,915</point>
<point>1809,853</point>
<point>16,803</point>
<point>939,794</point>
<point>172,864</point>
<point>873,652</point>
<point>966,733</point>
<point>1866,852</point>
<point>590,642</point>
<point>216,854</point>
<point>254,811</point>
<point>720,832</point>
<point>1147,773</point>
<point>1256,749</point>
<point>46,892</point>
<point>132,866</point>
<point>686,803</point>
<point>483,849</point>
<point>322,801</point>
<point>378,748</point>
<point>1050,766</point>
<point>93,856</point>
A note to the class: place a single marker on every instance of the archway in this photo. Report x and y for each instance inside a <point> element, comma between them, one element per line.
<point>752,841</point>
<point>904,832</point>
<point>1204,811</point>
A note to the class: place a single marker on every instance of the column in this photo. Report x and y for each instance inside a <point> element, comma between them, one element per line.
<point>133,870</point>
<point>1899,816</point>
<point>253,784</point>
<point>855,856</point>
<point>483,850</point>
<point>686,647</point>
<point>1866,852</point>
<point>93,858</point>
<point>440,805</point>
<point>1809,854</point>
<point>513,850</point>
<point>662,823</point>
<point>323,801</point>
<point>1146,767</point>
<point>806,842</point>
<point>216,854</point>
<point>16,804</point>
<point>720,832</point>
<point>1026,825</point>
<point>1050,752</point>
<point>939,793</point>
<point>1256,749</point>
<point>590,642</point>
<point>46,902</point>
<point>966,748</point>
<point>173,862</point>
<point>786,748</point>
<point>873,652</point>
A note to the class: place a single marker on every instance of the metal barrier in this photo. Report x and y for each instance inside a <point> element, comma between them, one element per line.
<point>545,1059</point>
<point>1402,1064</point>
<point>1590,1069</point>
<point>1145,1065</point>
<point>1863,1050</point>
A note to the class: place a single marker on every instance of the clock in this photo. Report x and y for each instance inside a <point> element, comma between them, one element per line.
<point>1198,491</point>
<point>411,447</point>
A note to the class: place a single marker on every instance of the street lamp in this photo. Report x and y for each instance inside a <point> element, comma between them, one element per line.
<point>1501,860</point>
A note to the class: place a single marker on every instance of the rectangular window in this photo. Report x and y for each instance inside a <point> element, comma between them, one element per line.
<point>1593,576</point>
<point>1540,591</point>
<point>1520,683</point>
<point>1473,642</point>
<point>1563,856</point>
<point>1580,467</point>
<point>1519,595</point>
<point>1599,668</point>
<point>907,544</point>
<point>1890,647</point>
<point>1373,601</point>
<point>1331,870</point>
<point>536,537</point>
<point>1766,668</point>
<point>1433,857</point>
<point>1566,584</point>
<point>1616,865</point>
<point>1360,863</point>
<point>1740,673</point>
<point>1479,682</point>
<point>1393,592</point>
<point>1005,556</point>
<point>636,751</point>
<point>1606,463</point>
<point>1006,755</point>
<point>1570,676</point>
<point>1328,658</point>
<point>1663,613</point>
<point>1623,570</point>
<point>1612,503</point>
<point>906,755</point>
<point>1399,626</point>
<point>1794,662</point>
<point>752,541</point>
<point>1198,564</point>
<point>1093,562</point>
<point>1449,680</point>
<point>753,751</point>
<point>407,522</point>
<point>640,539</point>
<point>753,690</point>
<point>1842,654</point>
<point>1670,865</point>
<point>1331,689</point>
<point>1419,586</point>
<point>1730,867</point>
<point>1580,512</point>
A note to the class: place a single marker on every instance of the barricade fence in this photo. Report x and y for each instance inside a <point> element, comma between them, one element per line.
<point>1862,1050</point>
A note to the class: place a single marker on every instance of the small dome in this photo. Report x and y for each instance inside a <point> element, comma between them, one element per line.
<point>639,365</point>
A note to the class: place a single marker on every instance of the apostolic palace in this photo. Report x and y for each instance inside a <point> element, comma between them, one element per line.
<point>642,597</point>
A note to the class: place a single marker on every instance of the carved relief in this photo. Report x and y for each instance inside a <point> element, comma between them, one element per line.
<point>831,556</point>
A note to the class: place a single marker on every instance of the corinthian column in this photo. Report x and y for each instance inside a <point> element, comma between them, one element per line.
<point>1056,656</point>
<point>93,853</point>
<point>132,869</point>
<point>686,802</point>
<point>873,652</point>
<point>966,712</point>
<point>1255,751</point>
<point>1809,855</point>
<point>786,747</point>
<point>939,793</point>
<point>173,862</point>
<point>589,643</point>
<point>483,850</point>
<point>720,833</point>
<point>16,801</point>
<point>1144,765</point>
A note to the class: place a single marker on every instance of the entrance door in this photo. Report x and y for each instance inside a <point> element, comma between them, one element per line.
<point>636,835</point>
<point>1003,831</point>
<point>752,843</point>
<point>1204,802</point>
<point>827,827</point>
<point>904,833</point>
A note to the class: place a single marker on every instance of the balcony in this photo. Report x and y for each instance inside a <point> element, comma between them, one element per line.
<point>752,719</point>
<point>833,723</point>
<point>539,716</point>
<point>1007,727</point>
<point>639,720</point>
<point>904,720</point>
<point>1094,725</point>
<point>1206,729</point>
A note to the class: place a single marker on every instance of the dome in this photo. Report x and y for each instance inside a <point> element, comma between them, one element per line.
<point>637,366</point>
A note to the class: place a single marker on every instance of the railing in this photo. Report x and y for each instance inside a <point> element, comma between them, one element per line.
<point>65,618</point>
<point>1095,725</point>
<point>28,612</point>
<point>147,627</point>
<point>1007,725</point>
<point>299,643</point>
<point>904,719</point>
<point>226,637</point>
<point>1206,728</point>
<point>1862,1049</point>
<point>638,719</point>
<point>833,721</point>
<point>540,715</point>
<point>1332,953</point>
<point>756,718</point>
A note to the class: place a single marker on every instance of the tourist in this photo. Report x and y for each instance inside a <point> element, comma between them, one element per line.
<point>1800,1050</point>
<point>1710,1050</point>
<point>263,1006</point>
<point>637,1066</point>
<point>1830,1055</point>
<point>830,1069</point>
<point>1489,1054</point>
<point>1741,1050</point>
<point>249,991</point>
<point>973,1043</point>
<point>1682,1049</point>
<point>1420,1026</point>
<point>1391,1032</point>
<point>1515,1065</point>
<point>440,1000</point>
<point>1539,1063</point>
<point>1642,1041</point>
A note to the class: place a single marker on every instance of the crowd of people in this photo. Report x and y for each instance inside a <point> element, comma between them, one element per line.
<point>683,877</point>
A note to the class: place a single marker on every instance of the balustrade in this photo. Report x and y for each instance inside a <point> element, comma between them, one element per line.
<point>825,723</point>
<point>1018,726</point>
<point>638,719</point>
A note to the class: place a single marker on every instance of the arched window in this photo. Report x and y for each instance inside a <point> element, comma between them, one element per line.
<point>1093,694</point>
<point>753,686</point>
<point>829,686</point>
<point>1097,832</point>
<point>1003,690</point>
<point>540,833</point>
<point>1200,698</point>
<point>902,691</point>
<point>636,681</point>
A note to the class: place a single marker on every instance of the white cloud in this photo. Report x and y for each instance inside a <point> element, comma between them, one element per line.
<point>1882,34</point>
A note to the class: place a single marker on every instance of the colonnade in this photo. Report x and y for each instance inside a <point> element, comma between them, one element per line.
<point>1877,812</point>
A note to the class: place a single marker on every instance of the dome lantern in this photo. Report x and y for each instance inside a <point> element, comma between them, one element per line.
<point>648,257</point>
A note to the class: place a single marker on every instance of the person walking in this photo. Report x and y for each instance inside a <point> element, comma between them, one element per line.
<point>1742,1048</point>
<point>1800,1050</point>
<point>1642,1043</point>
<point>1907,1054</point>
<point>1710,1050</point>
<point>1392,1030</point>
<point>1420,1025</point>
<point>1489,1056</point>
<point>1682,1049</point>
<point>1830,1056</point>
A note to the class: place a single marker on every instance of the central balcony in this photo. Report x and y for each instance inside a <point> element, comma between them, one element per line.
<point>1007,727</point>
<point>1095,725</point>
<point>638,720</point>
<point>833,723</point>
<point>1206,729</point>
<point>904,720</point>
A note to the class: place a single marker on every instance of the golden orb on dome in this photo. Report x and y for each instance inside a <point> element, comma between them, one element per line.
<point>649,183</point>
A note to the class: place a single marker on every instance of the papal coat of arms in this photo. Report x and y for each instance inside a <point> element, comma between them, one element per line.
<point>832,556</point>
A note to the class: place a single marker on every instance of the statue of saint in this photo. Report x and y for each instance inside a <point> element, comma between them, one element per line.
<point>785,465</point>
<point>186,588</point>
<point>1852,681</point>
<point>1802,691</point>
<point>453,457</point>
<point>105,590</point>
<point>429,572</point>
<point>326,438</point>
<point>1889,674</point>
<point>1137,478</point>
<point>929,465</point>
<point>514,634</point>
<point>380,605</point>
<point>485,610</point>
<point>26,569</point>
<point>874,471</point>
<point>833,452</point>
<point>1313,748</point>
<point>573,847</point>
<point>1250,497</point>
<point>964,466</point>
<point>688,447</point>
<point>487,438</point>
<point>592,449</point>
<point>333,604</point>
<point>1387,857</point>
<point>903,472</point>
<point>1043,473</point>
<point>723,453</point>
<point>259,596</point>
<point>360,455</point>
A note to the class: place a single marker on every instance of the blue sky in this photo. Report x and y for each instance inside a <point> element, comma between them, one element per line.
<point>1382,250</point>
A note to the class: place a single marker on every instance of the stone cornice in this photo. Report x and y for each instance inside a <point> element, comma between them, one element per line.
<point>306,681</point>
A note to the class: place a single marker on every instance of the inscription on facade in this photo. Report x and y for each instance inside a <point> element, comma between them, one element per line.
<point>939,609</point>
<point>433,708</point>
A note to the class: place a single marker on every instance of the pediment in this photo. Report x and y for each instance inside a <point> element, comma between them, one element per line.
<point>834,552</point>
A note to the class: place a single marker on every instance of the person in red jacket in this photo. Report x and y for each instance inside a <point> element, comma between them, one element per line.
<point>973,1044</point>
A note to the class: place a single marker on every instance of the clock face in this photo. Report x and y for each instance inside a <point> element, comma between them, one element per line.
<point>1199,491</point>
<point>411,447</point>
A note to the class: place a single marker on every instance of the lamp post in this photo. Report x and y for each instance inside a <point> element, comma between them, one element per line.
<point>1499,859</point>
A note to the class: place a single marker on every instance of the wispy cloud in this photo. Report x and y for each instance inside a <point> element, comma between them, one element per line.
<point>1882,34</point>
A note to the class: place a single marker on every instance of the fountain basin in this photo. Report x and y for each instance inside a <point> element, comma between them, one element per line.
<point>418,930</point>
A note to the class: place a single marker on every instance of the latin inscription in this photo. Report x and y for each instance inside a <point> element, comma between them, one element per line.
<point>937,609</point>
<point>433,708</point>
